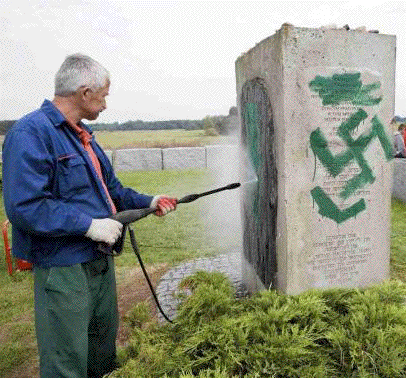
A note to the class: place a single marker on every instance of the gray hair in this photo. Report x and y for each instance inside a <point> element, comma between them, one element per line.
<point>77,71</point>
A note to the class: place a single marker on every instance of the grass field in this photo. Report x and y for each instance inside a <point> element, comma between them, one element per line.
<point>176,237</point>
<point>112,140</point>
<point>116,140</point>
<point>398,240</point>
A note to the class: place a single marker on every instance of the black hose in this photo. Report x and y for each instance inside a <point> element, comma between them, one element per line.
<point>137,253</point>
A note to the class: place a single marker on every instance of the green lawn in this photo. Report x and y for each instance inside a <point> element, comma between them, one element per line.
<point>398,240</point>
<point>177,236</point>
<point>112,140</point>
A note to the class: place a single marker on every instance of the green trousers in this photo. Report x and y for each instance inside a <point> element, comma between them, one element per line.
<point>76,319</point>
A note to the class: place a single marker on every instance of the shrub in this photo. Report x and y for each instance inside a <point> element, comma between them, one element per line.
<point>331,333</point>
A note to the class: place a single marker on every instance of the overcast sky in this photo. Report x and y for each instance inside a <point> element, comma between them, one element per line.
<point>168,59</point>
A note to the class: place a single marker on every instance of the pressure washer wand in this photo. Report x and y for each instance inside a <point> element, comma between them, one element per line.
<point>195,196</point>
<point>129,216</point>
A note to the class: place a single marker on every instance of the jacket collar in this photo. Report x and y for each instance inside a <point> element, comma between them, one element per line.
<point>56,117</point>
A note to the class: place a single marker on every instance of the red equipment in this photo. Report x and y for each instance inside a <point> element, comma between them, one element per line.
<point>19,264</point>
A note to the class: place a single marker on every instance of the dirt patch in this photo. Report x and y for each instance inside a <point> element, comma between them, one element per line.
<point>132,288</point>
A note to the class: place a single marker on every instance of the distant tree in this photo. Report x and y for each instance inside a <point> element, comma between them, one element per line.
<point>221,125</point>
<point>5,126</point>
<point>209,126</point>
<point>233,111</point>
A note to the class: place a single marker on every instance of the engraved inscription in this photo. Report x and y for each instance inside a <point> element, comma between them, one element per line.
<point>340,258</point>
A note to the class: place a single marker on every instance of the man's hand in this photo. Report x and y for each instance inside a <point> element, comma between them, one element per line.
<point>163,204</point>
<point>104,230</point>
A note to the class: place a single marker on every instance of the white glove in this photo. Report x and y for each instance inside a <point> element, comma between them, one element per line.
<point>104,230</point>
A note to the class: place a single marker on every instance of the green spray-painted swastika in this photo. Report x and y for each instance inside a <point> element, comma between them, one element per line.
<point>333,92</point>
<point>336,164</point>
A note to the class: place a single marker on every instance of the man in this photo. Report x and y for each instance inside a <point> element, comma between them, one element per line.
<point>398,143</point>
<point>59,193</point>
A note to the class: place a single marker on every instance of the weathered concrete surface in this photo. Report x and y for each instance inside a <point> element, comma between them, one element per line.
<point>184,157</point>
<point>331,100</point>
<point>147,159</point>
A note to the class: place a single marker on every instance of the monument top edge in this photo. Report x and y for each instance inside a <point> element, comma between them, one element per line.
<point>287,29</point>
<point>331,27</point>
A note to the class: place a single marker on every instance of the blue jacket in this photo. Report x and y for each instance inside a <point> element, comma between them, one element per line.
<point>52,192</point>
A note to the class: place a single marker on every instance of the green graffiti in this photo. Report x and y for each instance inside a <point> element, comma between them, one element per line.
<point>327,208</point>
<point>251,118</point>
<point>252,125</point>
<point>345,88</point>
<point>386,143</point>
<point>333,91</point>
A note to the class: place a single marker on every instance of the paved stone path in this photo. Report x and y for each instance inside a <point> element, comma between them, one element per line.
<point>229,264</point>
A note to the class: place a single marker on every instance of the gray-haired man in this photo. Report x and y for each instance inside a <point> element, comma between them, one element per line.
<point>59,193</point>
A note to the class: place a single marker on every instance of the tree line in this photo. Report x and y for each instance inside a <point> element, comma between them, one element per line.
<point>148,125</point>
<point>222,125</point>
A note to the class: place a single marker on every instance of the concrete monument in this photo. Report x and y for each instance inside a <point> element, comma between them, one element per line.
<point>315,107</point>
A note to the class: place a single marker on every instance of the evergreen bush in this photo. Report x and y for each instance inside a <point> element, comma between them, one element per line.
<point>331,333</point>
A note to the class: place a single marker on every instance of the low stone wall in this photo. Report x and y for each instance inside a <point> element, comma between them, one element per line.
<point>172,158</point>
<point>399,179</point>
<point>148,159</point>
<point>184,158</point>
<point>144,159</point>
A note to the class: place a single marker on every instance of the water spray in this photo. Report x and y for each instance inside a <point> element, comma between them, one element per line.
<point>250,182</point>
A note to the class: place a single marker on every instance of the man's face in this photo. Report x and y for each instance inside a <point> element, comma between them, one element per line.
<point>94,102</point>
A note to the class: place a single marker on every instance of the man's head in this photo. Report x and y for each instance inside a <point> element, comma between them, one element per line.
<point>402,128</point>
<point>83,83</point>
<point>79,71</point>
